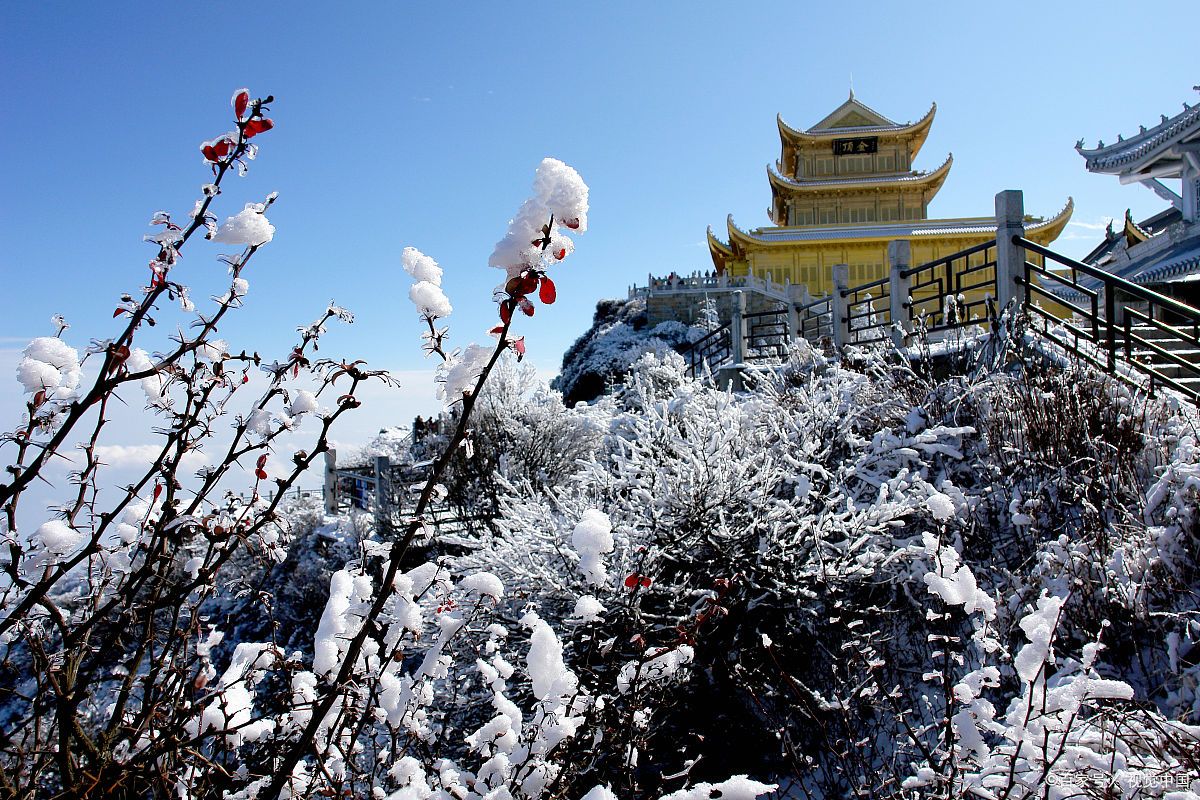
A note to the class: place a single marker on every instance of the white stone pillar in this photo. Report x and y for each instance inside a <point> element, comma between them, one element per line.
<point>737,328</point>
<point>1190,186</point>
<point>840,306</point>
<point>899,288</point>
<point>1010,258</point>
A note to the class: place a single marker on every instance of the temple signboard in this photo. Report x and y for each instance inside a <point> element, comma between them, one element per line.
<point>856,146</point>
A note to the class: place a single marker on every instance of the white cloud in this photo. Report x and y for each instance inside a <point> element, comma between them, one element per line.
<point>141,456</point>
<point>1091,226</point>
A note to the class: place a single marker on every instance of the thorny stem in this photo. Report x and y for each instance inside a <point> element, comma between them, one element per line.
<point>283,772</point>
<point>23,475</point>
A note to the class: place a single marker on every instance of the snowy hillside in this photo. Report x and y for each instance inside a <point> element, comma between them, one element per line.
<point>619,336</point>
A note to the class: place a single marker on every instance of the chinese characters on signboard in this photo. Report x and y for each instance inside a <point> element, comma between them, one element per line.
<point>858,146</point>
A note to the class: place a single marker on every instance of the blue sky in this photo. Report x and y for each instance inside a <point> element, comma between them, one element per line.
<point>403,123</point>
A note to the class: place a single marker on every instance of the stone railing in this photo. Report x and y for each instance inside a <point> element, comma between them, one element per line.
<point>706,282</point>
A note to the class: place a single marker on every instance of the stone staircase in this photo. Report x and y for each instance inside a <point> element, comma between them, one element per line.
<point>1166,340</point>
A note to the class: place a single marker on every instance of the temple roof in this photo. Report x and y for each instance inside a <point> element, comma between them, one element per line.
<point>1126,155</point>
<point>1114,241</point>
<point>853,111</point>
<point>1046,229</point>
<point>1178,261</point>
<point>925,180</point>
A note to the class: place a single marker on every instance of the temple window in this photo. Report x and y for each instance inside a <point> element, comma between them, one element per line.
<point>858,214</point>
<point>850,165</point>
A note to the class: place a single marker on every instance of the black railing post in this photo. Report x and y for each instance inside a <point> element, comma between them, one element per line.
<point>1110,332</point>
<point>331,482</point>
<point>380,500</point>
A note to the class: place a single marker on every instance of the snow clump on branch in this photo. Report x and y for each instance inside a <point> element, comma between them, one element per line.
<point>50,365</point>
<point>429,299</point>
<point>592,538</point>
<point>426,293</point>
<point>247,227</point>
<point>558,191</point>
<point>421,266</point>
<point>457,376</point>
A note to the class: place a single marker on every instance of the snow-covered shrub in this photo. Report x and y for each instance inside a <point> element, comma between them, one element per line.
<point>783,536</point>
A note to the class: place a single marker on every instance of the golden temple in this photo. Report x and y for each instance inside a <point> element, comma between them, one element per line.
<point>841,191</point>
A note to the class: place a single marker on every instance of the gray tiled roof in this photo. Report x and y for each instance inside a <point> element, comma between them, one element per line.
<point>904,177</point>
<point>1114,156</point>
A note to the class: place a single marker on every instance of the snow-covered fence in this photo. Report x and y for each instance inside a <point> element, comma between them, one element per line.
<point>706,282</point>
<point>963,288</point>
<point>388,491</point>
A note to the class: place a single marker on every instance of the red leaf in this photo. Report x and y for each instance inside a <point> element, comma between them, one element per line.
<point>632,580</point>
<point>119,312</point>
<point>513,285</point>
<point>240,100</point>
<point>295,369</point>
<point>573,224</point>
<point>217,150</point>
<point>529,284</point>
<point>157,490</point>
<point>519,346</point>
<point>646,582</point>
<point>496,331</point>
<point>256,126</point>
<point>260,474</point>
<point>547,293</point>
<point>505,312</point>
<point>262,461</point>
<point>526,306</point>
<point>561,254</point>
<point>40,397</point>
<point>119,354</point>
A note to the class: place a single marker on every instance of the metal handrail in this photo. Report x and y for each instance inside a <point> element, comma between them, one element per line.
<point>862,287</point>
<point>1140,292</point>
<point>937,262</point>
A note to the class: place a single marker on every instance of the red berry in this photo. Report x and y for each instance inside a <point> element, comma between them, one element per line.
<point>561,254</point>
<point>526,306</point>
<point>573,224</point>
